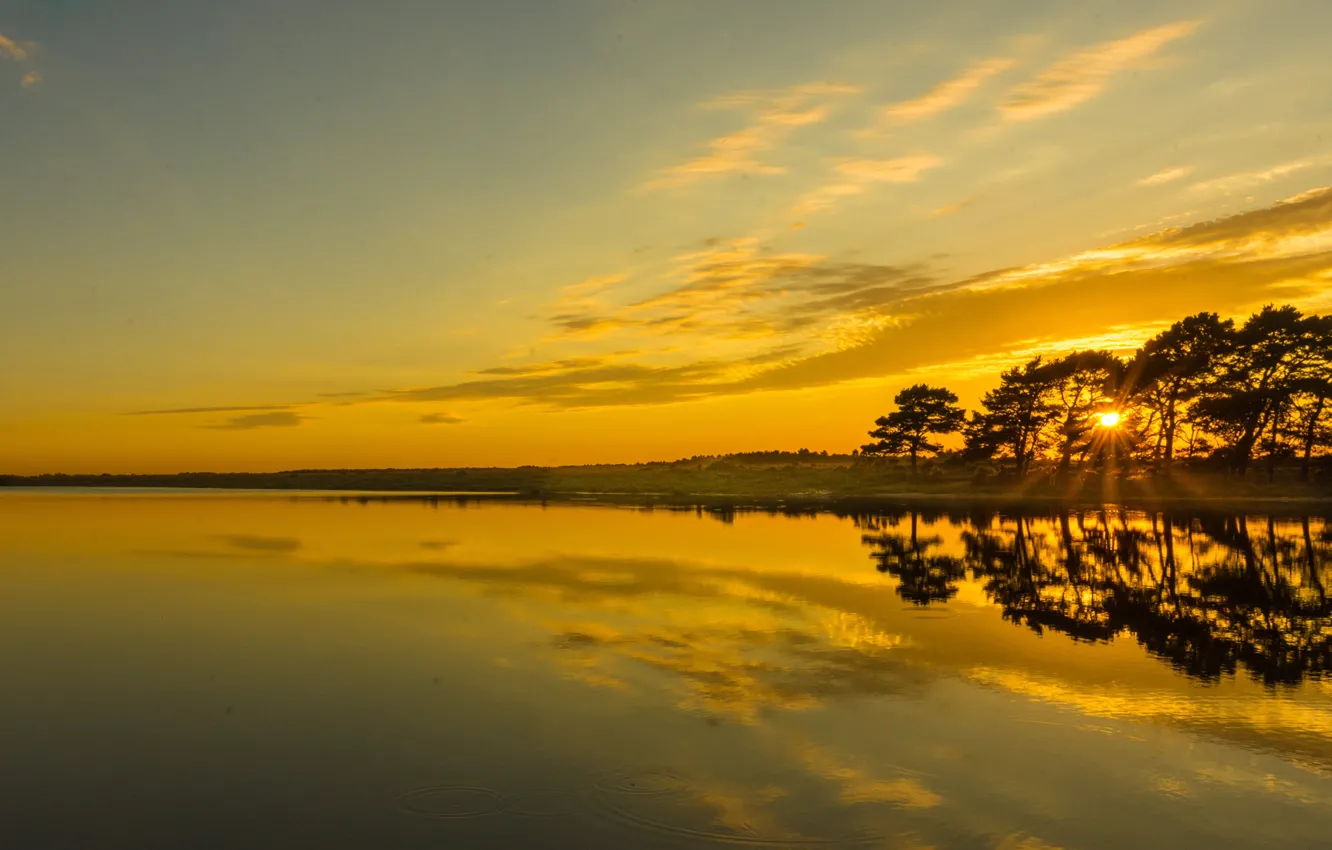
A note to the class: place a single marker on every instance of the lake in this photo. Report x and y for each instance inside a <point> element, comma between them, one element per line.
<point>250,670</point>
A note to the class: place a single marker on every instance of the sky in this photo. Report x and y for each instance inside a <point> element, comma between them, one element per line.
<point>254,236</point>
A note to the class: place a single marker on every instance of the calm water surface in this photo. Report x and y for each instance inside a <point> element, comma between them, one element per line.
<point>250,671</point>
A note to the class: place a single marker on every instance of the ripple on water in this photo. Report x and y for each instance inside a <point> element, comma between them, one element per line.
<point>641,782</point>
<point>543,803</point>
<point>453,801</point>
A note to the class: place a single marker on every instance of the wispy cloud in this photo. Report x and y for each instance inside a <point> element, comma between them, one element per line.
<point>582,296</point>
<point>950,209</point>
<point>856,175</point>
<point>30,79</point>
<point>1082,75</point>
<point>710,291</point>
<point>257,543</point>
<point>1168,175</point>
<point>774,116</point>
<point>948,94</point>
<point>441,419</point>
<point>16,50</point>
<point>917,323</point>
<point>189,410</point>
<point>833,322</point>
<point>285,419</point>
<point>1249,179</point>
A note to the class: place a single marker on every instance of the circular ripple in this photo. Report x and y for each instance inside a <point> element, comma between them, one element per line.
<point>543,803</point>
<point>453,801</point>
<point>646,782</point>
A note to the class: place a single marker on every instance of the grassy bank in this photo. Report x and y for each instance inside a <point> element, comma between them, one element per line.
<point>815,480</point>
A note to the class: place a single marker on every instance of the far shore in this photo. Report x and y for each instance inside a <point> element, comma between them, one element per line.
<point>813,483</point>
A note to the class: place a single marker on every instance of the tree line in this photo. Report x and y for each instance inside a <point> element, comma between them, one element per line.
<point>1205,387</point>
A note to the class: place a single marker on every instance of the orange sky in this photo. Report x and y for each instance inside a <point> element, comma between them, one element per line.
<point>330,235</point>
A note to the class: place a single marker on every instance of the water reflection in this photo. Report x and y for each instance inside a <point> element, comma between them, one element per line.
<point>1210,594</point>
<point>463,672</point>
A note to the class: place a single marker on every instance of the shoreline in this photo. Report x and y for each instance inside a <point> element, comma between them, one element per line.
<point>802,502</point>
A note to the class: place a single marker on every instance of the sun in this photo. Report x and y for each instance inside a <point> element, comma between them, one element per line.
<point>1109,419</point>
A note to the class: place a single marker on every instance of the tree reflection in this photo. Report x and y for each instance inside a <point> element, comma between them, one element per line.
<point>922,577</point>
<point>1209,594</point>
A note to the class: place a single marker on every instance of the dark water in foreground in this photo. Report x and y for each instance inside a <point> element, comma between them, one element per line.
<point>245,671</point>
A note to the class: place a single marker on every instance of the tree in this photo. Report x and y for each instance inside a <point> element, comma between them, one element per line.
<point>1016,414</point>
<point>1252,387</point>
<point>1169,370</point>
<point>1311,416</point>
<point>922,411</point>
<point>1080,383</point>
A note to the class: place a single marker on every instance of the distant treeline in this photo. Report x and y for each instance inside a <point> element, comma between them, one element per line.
<point>522,479</point>
<point>1209,390</point>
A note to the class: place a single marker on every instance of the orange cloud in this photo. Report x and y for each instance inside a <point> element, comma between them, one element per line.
<point>857,175</point>
<point>948,94</point>
<point>776,115</point>
<point>18,51</point>
<point>950,209</point>
<point>581,296</point>
<point>1249,179</point>
<point>440,419</point>
<point>1169,175</point>
<point>1084,74</point>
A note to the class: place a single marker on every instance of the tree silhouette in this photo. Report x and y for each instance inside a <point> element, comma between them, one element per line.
<point>1081,384</point>
<point>1264,388</point>
<point>1252,387</point>
<point>1015,418</point>
<point>1170,368</point>
<point>921,412</point>
<point>1311,418</point>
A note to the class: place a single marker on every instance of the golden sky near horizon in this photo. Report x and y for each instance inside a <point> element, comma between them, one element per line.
<point>252,237</point>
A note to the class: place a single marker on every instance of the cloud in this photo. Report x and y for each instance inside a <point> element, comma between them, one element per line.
<point>739,290</point>
<point>256,543</point>
<point>775,115</point>
<point>833,322</point>
<point>30,79</point>
<point>551,366</point>
<point>441,419</point>
<point>711,290</point>
<point>948,94</point>
<point>590,386</point>
<point>582,296</point>
<point>1169,175</point>
<point>18,51</point>
<point>950,209</point>
<point>912,321</point>
<point>725,274</point>
<point>187,410</point>
<point>905,169</point>
<point>856,175</point>
<point>259,420</point>
<point>1248,179</point>
<point>1084,74</point>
